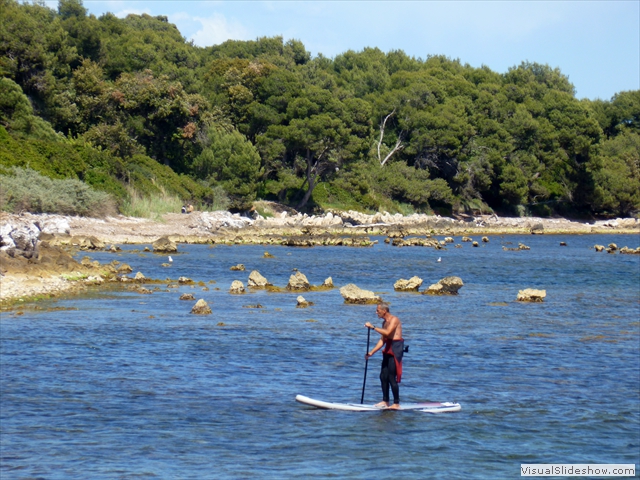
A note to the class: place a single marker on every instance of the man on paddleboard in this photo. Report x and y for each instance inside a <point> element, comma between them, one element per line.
<point>391,340</point>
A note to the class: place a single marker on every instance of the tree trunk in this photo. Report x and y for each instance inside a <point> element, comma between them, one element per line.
<point>311,179</point>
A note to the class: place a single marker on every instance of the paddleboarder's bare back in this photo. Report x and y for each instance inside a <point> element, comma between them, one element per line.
<point>391,330</point>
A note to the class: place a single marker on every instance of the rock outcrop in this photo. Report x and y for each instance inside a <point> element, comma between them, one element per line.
<point>302,303</point>
<point>298,281</point>
<point>201,308</point>
<point>411,285</point>
<point>531,295</point>
<point>164,245</point>
<point>353,294</point>
<point>257,281</point>
<point>236,287</point>
<point>446,286</point>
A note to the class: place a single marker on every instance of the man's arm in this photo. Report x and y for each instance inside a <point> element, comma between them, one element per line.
<point>390,327</point>
<point>375,349</point>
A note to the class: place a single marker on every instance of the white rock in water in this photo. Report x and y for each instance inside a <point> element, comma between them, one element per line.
<point>236,287</point>
<point>353,294</point>
<point>446,286</point>
<point>257,280</point>
<point>410,285</point>
<point>531,295</point>
<point>201,308</point>
<point>298,281</point>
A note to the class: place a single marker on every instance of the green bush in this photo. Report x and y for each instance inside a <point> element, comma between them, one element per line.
<point>27,190</point>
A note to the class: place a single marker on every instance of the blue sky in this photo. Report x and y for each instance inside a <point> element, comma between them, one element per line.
<point>595,43</point>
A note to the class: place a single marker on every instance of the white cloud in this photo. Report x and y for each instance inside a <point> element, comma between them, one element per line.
<point>129,11</point>
<point>217,29</point>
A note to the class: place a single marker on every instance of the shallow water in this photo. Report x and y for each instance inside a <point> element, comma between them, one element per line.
<point>120,385</point>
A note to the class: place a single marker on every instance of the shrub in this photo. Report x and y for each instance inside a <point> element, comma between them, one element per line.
<point>27,190</point>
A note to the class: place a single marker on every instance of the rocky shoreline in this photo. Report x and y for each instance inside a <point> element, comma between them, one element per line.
<point>35,257</point>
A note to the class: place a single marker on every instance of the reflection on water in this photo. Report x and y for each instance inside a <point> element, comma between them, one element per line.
<point>116,384</point>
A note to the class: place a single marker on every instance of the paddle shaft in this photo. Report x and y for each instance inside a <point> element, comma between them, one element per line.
<point>366,363</point>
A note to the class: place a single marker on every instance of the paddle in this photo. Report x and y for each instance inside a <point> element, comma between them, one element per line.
<point>366,363</point>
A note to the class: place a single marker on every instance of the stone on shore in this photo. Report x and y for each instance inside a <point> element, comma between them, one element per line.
<point>537,229</point>
<point>88,243</point>
<point>201,308</point>
<point>257,281</point>
<point>411,285</point>
<point>353,294</point>
<point>238,268</point>
<point>298,281</point>
<point>446,286</point>
<point>531,295</point>
<point>187,296</point>
<point>164,245</point>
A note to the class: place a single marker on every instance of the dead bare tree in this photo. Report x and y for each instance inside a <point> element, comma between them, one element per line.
<point>395,149</point>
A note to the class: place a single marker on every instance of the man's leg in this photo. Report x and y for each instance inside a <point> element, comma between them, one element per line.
<point>384,382</point>
<point>395,389</point>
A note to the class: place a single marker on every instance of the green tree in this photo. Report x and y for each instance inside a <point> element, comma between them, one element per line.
<point>228,159</point>
<point>618,182</point>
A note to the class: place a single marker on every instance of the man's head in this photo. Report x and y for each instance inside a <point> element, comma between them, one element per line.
<point>382,310</point>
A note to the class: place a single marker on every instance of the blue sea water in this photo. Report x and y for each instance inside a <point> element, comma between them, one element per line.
<point>115,384</point>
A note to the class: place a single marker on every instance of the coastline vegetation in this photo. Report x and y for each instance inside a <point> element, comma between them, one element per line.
<point>131,110</point>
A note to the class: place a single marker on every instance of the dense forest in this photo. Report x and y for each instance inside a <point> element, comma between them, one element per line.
<point>127,107</point>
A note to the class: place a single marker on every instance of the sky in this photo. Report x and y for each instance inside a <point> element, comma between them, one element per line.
<point>595,43</point>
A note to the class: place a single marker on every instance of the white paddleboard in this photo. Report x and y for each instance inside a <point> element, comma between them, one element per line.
<point>427,407</point>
